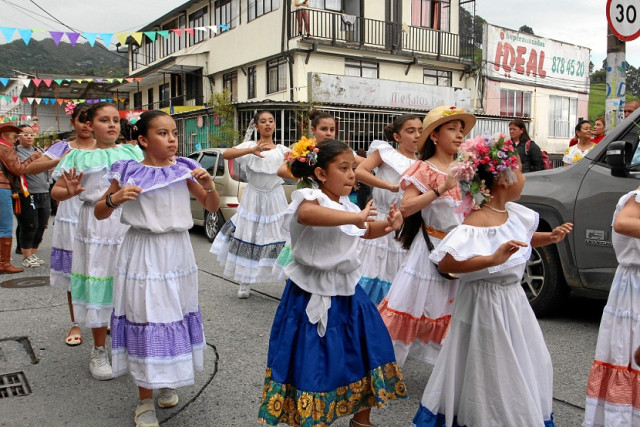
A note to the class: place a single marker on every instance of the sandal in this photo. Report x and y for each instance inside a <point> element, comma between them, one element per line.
<point>74,337</point>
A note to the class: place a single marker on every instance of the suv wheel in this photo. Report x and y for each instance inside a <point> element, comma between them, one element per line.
<point>543,282</point>
<point>212,224</point>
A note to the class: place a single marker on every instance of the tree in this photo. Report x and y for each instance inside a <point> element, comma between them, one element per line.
<point>527,30</point>
<point>225,134</point>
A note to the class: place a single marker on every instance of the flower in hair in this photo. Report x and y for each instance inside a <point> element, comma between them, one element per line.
<point>492,154</point>
<point>70,107</point>
<point>304,151</point>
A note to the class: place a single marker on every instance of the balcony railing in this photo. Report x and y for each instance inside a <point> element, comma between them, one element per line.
<point>365,32</point>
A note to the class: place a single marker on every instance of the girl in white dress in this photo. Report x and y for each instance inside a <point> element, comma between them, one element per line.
<point>330,355</point>
<point>81,173</point>
<point>417,309</point>
<point>66,219</point>
<point>248,245</point>
<point>381,258</point>
<point>156,326</point>
<point>612,387</point>
<point>494,368</point>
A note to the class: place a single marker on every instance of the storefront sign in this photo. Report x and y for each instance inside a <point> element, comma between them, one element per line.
<point>334,89</point>
<point>522,58</point>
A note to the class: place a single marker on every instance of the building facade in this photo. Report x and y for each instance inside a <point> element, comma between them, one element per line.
<point>363,62</point>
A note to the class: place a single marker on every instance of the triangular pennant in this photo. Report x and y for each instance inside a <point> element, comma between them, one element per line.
<point>56,36</point>
<point>103,99</point>
<point>26,82</point>
<point>47,82</point>
<point>38,100</point>
<point>14,98</point>
<point>201,28</point>
<point>91,38</point>
<point>58,81</point>
<point>4,81</point>
<point>25,33</point>
<point>98,80</point>
<point>129,79</point>
<point>138,79</point>
<point>8,33</point>
<point>122,38</point>
<point>59,101</point>
<point>189,30</point>
<point>30,100</point>
<point>36,82</point>
<point>66,100</point>
<point>45,100</point>
<point>151,35</point>
<point>36,30</point>
<point>119,80</point>
<point>73,38</point>
<point>109,99</point>
<point>137,37</point>
<point>24,99</point>
<point>213,28</point>
<point>178,31</point>
<point>163,33</point>
<point>51,100</point>
<point>78,81</point>
<point>106,38</point>
<point>224,27</point>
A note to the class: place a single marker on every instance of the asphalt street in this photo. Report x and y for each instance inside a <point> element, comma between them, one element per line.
<point>229,390</point>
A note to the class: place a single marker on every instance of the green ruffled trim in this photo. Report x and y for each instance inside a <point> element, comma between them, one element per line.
<point>88,160</point>
<point>93,291</point>
<point>283,403</point>
<point>285,258</point>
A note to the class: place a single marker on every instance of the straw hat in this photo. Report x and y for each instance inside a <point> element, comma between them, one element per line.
<point>9,127</point>
<point>441,115</point>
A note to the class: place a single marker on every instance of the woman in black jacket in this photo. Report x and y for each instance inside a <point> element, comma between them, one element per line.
<point>530,154</point>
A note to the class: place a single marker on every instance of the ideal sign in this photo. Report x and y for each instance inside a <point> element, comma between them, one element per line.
<point>522,58</point>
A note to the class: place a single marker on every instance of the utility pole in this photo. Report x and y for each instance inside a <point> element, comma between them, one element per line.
<point>616,80</point>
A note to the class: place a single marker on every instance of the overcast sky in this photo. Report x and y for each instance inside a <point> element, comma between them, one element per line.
<point>582,23</point>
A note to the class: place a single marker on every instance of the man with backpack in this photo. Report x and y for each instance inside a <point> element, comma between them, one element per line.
<point>530,154</point>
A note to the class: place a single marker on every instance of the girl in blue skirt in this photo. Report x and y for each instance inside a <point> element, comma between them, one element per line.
<point>330,354</point>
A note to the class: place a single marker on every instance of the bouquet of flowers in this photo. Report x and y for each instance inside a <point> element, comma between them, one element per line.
<point>70,107</point>
<point>304,151</point>
<point>494,155</point>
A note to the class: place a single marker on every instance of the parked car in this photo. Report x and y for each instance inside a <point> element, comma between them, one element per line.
<point>585,194</point>
<point>230,182</point>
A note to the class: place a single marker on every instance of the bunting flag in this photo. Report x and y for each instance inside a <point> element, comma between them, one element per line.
<point>6,99</point>
<point>48,82</point>
<point>91,37</point>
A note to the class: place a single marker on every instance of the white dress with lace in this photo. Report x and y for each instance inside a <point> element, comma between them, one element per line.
<point>382,257</point>
<point>494,368</point>
<point>248,245</point>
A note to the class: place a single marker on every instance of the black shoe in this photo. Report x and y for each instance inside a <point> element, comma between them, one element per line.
<point>19,251</point>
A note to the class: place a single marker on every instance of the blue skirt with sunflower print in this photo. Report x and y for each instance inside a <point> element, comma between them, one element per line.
<point>312,380</point>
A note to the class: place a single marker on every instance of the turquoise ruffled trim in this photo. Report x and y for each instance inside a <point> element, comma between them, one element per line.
<point>93,160</point>
<point>285,258</point>
<point>425,418</point>
<point>92,291</point>
<point>376,289</point>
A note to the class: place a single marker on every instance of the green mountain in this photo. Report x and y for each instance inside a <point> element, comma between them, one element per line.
<point>44,57</point>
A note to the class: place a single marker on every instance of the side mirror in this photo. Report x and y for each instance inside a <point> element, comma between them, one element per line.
<point>619,155</point>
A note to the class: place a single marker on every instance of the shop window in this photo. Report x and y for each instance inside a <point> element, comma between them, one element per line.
<point>436,77</point>
<point>563,115</point>
<point>198,19</point>
<point>515,103</point>
<point>354,67</point>
<point>227,13</point>
<point>230,83</point>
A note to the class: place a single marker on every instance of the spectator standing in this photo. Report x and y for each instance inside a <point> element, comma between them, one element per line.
<point>528,150</point>
<point>598,130</point>
<point>10,167</point>
<point>575,153</point>
<point>630,107</point>
<point>302,16</point>
<point>35,207</point>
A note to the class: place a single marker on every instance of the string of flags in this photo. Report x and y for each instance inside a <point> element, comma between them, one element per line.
<point>91,37</point>
<point>30,100</point>
<point>48,82</point>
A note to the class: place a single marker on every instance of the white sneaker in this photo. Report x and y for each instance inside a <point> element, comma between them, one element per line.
<point>167,398</point>
<point>99,365</point>
<point>146,414</point>
<point>39,260</point>
<point>30,262</point>
<point>243,290</point>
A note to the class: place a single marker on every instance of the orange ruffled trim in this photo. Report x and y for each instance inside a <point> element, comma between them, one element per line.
<point>430,178</point>
<point>614,384</point>
<point>407,328</point>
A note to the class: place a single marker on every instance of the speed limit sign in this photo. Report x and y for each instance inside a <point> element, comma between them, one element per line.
<point>624,18</point>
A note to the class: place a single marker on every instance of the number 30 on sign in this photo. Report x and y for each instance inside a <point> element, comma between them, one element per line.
<point>624,18</point>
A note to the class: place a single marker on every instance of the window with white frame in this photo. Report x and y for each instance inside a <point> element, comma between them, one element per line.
<point>515,103</point>
<point>355,67</point>
<point>436,77</point>
<point>276,75</point>
<point>251,82</point>
<point>227,13</point>
<point>199,18</point>
<point>335,5</point>
<point>257,8</point>
<point>230,83</point>
<point>431,14</point>
<point>563,115</point>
